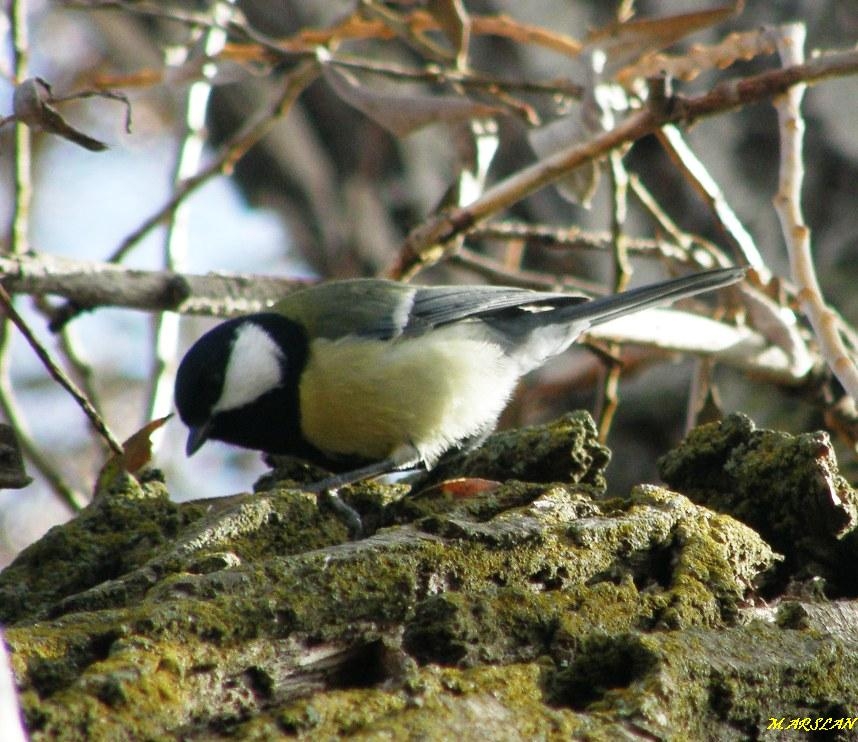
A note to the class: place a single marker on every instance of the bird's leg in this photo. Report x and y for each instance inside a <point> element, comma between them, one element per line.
<point>338,481</point>
<point>327,492</point>
<point>346,513</point>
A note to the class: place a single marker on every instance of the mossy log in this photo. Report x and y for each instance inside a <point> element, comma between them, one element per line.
<point>502,609</point>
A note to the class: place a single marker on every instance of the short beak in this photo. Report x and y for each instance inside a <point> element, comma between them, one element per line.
<point>196,437</point>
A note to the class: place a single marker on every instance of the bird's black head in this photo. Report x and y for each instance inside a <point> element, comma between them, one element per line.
<point>239,383</point>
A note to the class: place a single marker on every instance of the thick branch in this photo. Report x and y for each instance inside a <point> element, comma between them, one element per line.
<point>421,246</point>
<point>92,284</point>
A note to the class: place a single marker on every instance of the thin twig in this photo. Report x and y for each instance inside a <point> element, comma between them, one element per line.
<point>619,201</point>
<point>499,273</point>
<point>609,391</point>
<point>230,153</point>
<point>466,78</point>
<point>420,247</point>
<point>90,284</point>
<point>740,45</point>
<point>787,204</point>
<point>575,238</point>
<point>696,249</point>
<point>353,27</point>
<point>19,244</point>
<point>33,452</point>
<point>406,31</point>
<point>701,181</point>
<point>57,373</point>
<point>677,331</point>
<point>106,283</point>
<point>68,344</point>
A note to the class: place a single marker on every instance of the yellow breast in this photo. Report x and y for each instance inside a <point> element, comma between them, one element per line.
<point>369,398</point>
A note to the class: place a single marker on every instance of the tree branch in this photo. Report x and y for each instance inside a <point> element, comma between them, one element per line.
<point>91,284</point>
<point>94,284</point>
<point>420,247</point>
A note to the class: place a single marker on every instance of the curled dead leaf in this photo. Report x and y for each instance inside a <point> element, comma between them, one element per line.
<point>462,488</point>
<point>136,453</point>
<point>33,104</point>
<point>455,24</point>
<point>403,114</point>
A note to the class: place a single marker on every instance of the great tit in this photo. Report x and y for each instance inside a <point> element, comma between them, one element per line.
<point>368,376</point>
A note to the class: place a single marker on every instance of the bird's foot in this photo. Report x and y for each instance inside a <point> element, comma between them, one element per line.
<point>329,498</point>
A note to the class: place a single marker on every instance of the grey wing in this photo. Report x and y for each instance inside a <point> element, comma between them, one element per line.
<point>386,309</point>
<point>439,305</point>
<point>363,306</point>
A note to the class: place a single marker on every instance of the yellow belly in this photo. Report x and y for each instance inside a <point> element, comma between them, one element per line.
<point>369,398</point>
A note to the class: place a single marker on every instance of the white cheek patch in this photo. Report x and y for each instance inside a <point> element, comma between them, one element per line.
<point>254,368</point>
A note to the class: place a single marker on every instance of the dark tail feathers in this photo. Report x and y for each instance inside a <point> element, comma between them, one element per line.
<point>610,307</point>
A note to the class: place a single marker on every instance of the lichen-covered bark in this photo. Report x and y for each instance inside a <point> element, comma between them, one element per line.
<point>785,487</point>
<point>526,609</point>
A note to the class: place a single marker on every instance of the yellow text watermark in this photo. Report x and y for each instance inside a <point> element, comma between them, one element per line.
<point>806,724</point>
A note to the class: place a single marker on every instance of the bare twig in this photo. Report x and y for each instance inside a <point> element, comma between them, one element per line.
<point>352,27</point>
<point>33,452</point>
<point>575,238</point>
<point>229,295</point>
<point>230,153</point>
<point>742,45</point>
<point>72,352</point>
<point>680,332</point>
<point>693,247</point>
<point>400,25</point>
<point>609,392</point>
<point>466,78</point>
<point>71,498</point>
<point>779,325</point>
<point>23,155</point>
<point>500,273</point>
<point>57,373</point>
<point>796,233</point>
<point>420,247</point>
<point>696,173</point>
<point>19,244</point>
<point>619,207</point>
<point>90,284</point>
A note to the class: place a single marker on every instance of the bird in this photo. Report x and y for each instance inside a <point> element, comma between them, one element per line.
<point>368,376</point>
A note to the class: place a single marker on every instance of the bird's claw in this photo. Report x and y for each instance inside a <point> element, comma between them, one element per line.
<point>346,513</point>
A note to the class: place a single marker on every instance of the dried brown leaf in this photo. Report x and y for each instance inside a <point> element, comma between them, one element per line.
<point>138,448</point>
<point>403,114</point>
<point>462,488</point>
<point>407,27</point>
<point>136,453</point>
<point>625,43</point>
<point>740,45</point>
<point>524,33</point>
<point>32,105</point>
<point>455,24</point>
<point>357,27</point>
